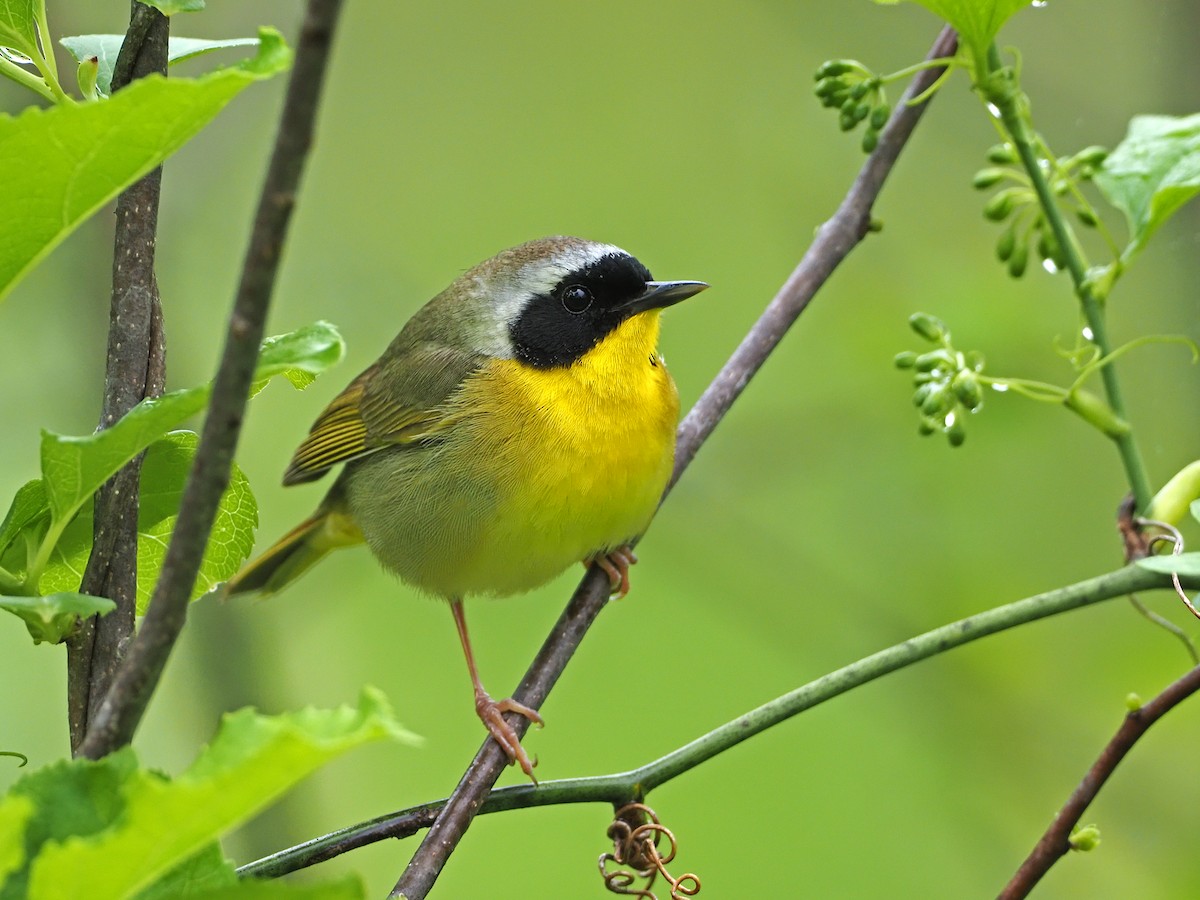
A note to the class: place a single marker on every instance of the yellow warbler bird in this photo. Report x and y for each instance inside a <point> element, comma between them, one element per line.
<point>522,421</point>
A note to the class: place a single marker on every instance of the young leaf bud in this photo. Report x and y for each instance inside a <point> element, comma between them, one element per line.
<point>85,74</point>
<point>879,116</point>
<point>1087,216</point>
<point>928,426</point>
<point>1000,206</point>
<point>1006,243</point>
<point>1001,154</point>
<point>1085,838</point>
<point>905,360</point>
<point>870,140</point>
<point>832,68</point>
<point>939,400</point>
<point>1092,156</point>
<point>1019,260</point>
<point>858,91</point>
<point>929,327</point>
<point>921,394</point>
<point>955,433</point>
<point>935,359</point>
<point>985,178</point>
<point>968,390</point>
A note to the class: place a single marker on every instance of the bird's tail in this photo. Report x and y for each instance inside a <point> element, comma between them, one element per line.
<point>294,553</point>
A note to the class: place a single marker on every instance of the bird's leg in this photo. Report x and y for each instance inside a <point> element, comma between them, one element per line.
<point>616,565</point>
<point>489,711</point>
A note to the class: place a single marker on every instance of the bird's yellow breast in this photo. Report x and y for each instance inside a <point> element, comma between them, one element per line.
<point>581,455</point>
<point>543,468</point>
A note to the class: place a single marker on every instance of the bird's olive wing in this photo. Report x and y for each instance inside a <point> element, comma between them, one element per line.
<point>397,401</point>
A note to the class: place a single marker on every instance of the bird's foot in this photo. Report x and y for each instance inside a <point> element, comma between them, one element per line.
<point>616,565</point>
<point>491,713</point>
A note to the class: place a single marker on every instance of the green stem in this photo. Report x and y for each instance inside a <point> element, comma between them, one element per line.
<point>1003,93</point>
<point>636,783</point>
<point>26,79</point>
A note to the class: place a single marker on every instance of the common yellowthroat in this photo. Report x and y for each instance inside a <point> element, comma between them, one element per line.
<point>522,421</point>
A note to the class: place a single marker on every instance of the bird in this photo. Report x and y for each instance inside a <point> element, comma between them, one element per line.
<point>521,422</point>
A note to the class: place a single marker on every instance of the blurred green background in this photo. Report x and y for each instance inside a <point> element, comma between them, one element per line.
<point>815,527</point>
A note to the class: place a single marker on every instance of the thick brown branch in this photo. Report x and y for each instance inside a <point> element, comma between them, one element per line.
<point>125,702</point>
<point>1056,842</point>
<point>134,371</point>
<point>837,237</point>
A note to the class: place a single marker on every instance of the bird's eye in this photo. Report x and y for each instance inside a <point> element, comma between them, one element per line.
<point>576,298</point>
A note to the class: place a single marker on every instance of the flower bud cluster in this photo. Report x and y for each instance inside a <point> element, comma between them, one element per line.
<point>857,94</point>
<point>946,381</point>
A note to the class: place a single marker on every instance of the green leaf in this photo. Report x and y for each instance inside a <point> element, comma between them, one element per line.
<point>170,7</point>
<point>1152,173</point>
<point>17,28</point>
<point>199,874</point>
<point>976,21</point>
<point>252,760</point>
<point>1186,564</point>
<point>28,507</point>
<point>74,467</point>
<point>67,798</point>
<point>106,47</point>
<point>15,813</point>
<point>164,471</point>
<point>52,617</point>
<point>306,351</point>
<point>60,165</point>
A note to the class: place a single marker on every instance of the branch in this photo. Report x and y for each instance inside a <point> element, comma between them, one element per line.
<point>834,241</point>
<point>123,705</point>
<point>637,783</point>
<point>1014,113</point>
<point>1056,842</point>
<point>135,370</point>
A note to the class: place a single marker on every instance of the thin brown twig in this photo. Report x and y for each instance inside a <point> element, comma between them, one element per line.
<point>121,710</point>
<point>134,370</point>
<point>834,241</point>
<point>1056,842</point>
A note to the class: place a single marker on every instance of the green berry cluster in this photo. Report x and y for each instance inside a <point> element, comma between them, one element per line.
<point>947,381</point>
<point>1018,205</point>
<point>857,92</point>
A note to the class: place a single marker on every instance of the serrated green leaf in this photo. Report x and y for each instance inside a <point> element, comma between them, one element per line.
<point>1152,173</point>
<point>60,165</point>
<point>27,508</point>
<point>170,7</point>
<point>232,537</point>
<point>52,617</point>
<point>198,875</point>
<point>106,47</point>
<point>17,28</point>
<point>309,350</point>
<point>74,467</point>
<point>1186,564</point>
<point>164,471</point>
<point>251,761</point>
<point>15,813</point>
<point>68,798</point>
<point>976,21</point>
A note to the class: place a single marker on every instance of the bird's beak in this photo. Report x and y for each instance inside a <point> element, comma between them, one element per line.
<point>661,294</point>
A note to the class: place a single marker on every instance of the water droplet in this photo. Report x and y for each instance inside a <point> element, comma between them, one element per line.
<point>994,110</point>
<point>950,419</point>
<point>999,387</point>
<point>1050,266</point>
<point>1087,333</point>
<point>1040,4</point>
<point>13,56</point>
